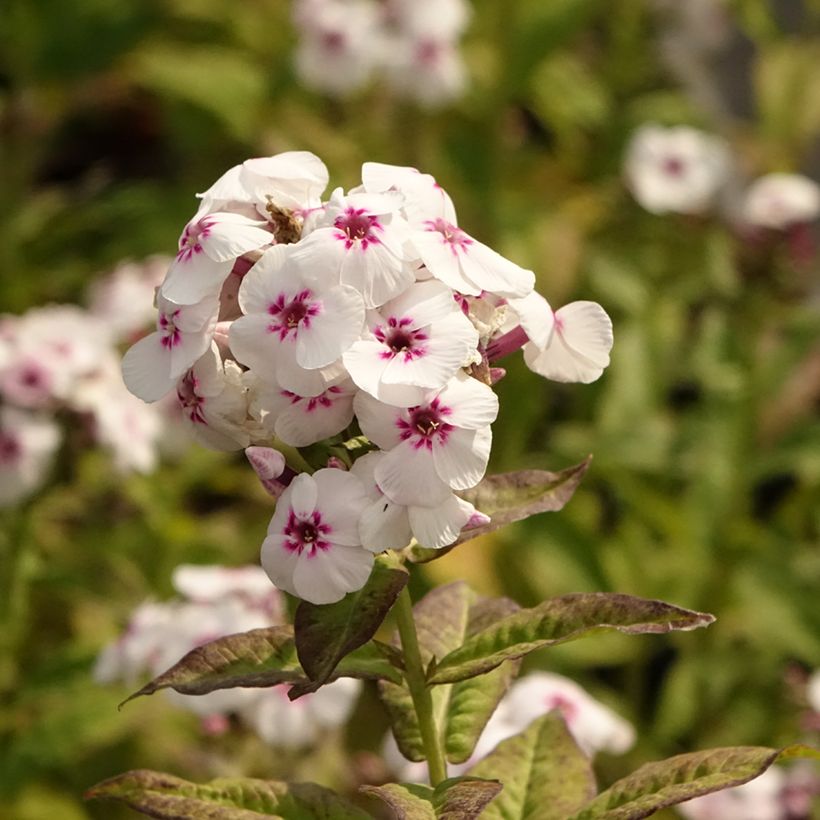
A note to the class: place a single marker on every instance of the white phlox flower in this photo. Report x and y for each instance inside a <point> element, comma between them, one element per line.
<point>303,420</point>
<point>339,44</point>
<point>313,548</point>
<point>778,201</point>
<point>571,344</point>
<point>759,799</point>
<point>360,241</point>
<point>594,726</point>
<point>27,445</point>
<point>210,583</point>
<point>414,344</point>
<point>295,724</point>
<point>123,300</point>
<point>387,525</point>
<point>678,170</point>
<point>445,19</point>
<point>439,445</point>
<point>151,367</point>
<point>293,326</point>
<point>208,247</point>
<point>130,429</point>
<point>448,253</point>
<point>213,401</point>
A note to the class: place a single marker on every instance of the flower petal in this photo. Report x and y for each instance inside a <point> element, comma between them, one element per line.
<point>146,369</point>
<point>439,526</point>
<point>384,525</point>
<point>303,496</point>
<point>407,475</point>
<point>342,498</point>
<point>328,575</point>
<point>333,331</point>
<point>377,420</point>
<point>462,460</point>
<point>472,404</point>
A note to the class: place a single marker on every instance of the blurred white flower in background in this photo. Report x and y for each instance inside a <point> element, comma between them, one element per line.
<point>219,601</point>
<point>28,442</point>
<point>759,799</point>
<point>675,170</point>
<point>779,201</point>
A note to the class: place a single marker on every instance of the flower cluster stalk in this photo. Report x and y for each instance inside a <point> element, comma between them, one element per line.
<point>422,697</point>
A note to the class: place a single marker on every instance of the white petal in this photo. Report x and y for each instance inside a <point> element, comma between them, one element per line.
<point>307,422</point>
<point>342,498</point>
<point>189,348</point>
<point>439,526</point>
<point>472,403</point>
<point>333,331</point>
<point>443,262</point>
<point>378,420</point>
<point>462,460</point>
<point>365,363</point>
<point>376,272</point>
<point>252,344</point>
<point>227,188</point>
<point>384,525</point>
<point>279,562</point>
<point>493,272</point>
<point>536,317</point>
<point>200,316</point>
<point>407,475</point>
<point>192,279</point>
<point>146,369</point>
<point>303,496</point>
<point>586,328</point>
<point>230,235</point>
<point>328,575</point>
<point>291,376</point>
<point>272,275</point>
<point>426,302</point>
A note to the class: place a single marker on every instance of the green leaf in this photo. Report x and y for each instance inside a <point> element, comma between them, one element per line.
<point>545,774</point>
<point>444,618</point>
<point>327,633</point>
<point>557,621</point>
<point>459,798</point>
<point>164,796</point>
<point>667,782</point>
<point>260,657</point>
<point>510,497</point>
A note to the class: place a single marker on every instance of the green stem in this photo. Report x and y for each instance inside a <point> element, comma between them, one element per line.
<point>422,697</point>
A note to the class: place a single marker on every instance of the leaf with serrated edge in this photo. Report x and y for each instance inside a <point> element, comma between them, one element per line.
<point>667,782</point>
<point>167,797</point>
<point>510,497</point>
<point>444,618</point>
<point>260,658</point>
<point>559,620</point>
<point>545,775</point>
<point>459,798</point>
<point>326,633</point>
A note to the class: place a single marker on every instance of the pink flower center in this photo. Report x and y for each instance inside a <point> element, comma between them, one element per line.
<point>291,314</point>
<point>425,424</point>
<point>450,234</point>
<point>673,166</point>
<point>306,533</point>
<point>398,336</point>
<point>171,336</point>
<point>355,225</point>
<point>565,706</point>
<point>189,401</point>
<point>428,53</point>
<point>333,41</point>
<point>310,403</point>
<point>10,449</point>
<point>189,242</point>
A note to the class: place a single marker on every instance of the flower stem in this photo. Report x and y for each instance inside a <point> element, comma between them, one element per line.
<point>422,697</point>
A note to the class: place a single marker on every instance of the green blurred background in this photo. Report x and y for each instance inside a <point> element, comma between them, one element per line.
<point>704,487</point>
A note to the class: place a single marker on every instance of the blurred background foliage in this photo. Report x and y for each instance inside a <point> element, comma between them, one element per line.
<point>704,487</point>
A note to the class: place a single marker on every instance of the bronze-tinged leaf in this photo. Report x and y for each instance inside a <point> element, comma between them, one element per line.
<point>545,775</point>
<point>459,798</point>
<point>668,782</point>
<point>167,797</point>
<point>260,658</point>
<point>559,620</point>
<point>444,618</point>
<point>510,497</point>
<point>326,633</point>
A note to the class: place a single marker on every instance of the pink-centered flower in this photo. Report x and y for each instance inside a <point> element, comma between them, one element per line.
<point>359,241</point>
<point>778,201</point>
<point>294,326</point>
<point>208,247</point>
<point>151,367</point>
<point>449,253</point>
<point>415,344</point>
<point>571,344</point>
<point>27,445</point>
<point>387,525</point>
<point>439,445</point>
<point>313,549</point>
<point>303,420</point>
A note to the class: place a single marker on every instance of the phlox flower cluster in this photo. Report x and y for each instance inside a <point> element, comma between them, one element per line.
<point>594,726</point>
<point>683,170</point>
<point>65,357</point>
<point>370,318</point>
<point>412,47</point>
<point>217,601</point>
